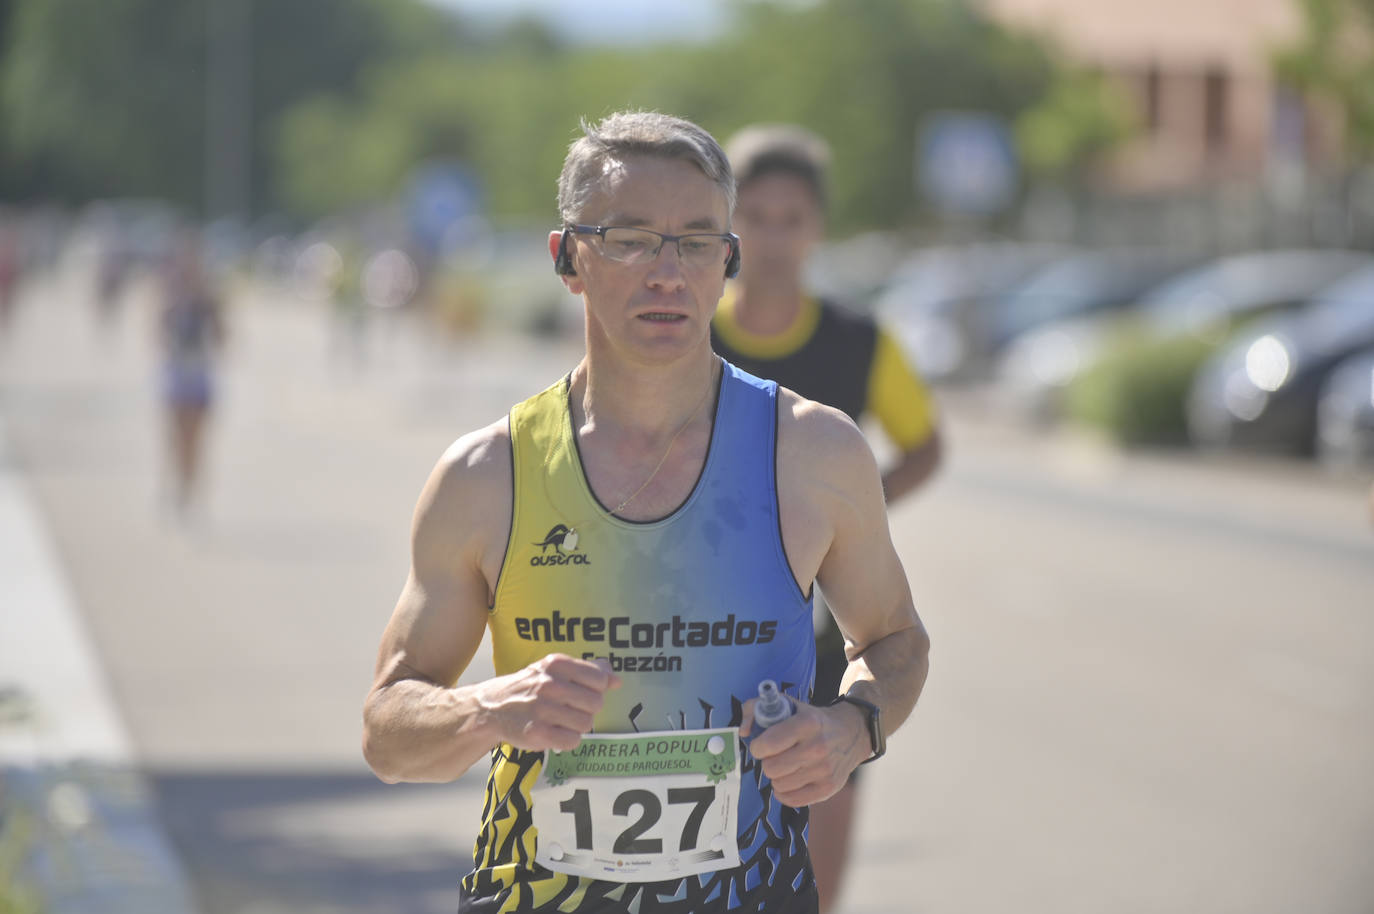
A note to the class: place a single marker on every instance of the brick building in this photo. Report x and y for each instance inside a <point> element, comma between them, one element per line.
<point>1200,75</point>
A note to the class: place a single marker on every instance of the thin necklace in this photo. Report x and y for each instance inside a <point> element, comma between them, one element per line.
<point>666,451</point>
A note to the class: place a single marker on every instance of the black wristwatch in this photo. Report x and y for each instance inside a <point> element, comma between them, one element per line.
<point>875,725</point>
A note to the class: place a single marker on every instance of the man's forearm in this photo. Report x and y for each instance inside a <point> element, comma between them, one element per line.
<point>891,672</point>
<point>419,731</point>
<point>913,469</point>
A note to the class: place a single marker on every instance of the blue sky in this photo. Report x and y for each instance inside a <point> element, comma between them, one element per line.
<point>611,21</point>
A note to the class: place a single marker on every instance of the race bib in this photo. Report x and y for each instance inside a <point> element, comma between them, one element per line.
<point>640,807</point>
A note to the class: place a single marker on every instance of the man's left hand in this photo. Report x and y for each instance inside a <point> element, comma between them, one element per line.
<point>810,755</point>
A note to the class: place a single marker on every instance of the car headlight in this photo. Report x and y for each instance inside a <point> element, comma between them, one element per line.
<point>1268,363</point>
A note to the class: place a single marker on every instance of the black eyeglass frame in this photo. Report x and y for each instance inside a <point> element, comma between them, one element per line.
<point>600,230</point>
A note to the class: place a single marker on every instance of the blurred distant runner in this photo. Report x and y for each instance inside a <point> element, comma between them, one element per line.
<point>191,330</point>
<point>641,542</point>
<point>769,325</point>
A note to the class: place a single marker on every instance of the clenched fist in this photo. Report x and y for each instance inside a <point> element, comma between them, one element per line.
<point>549,704</point>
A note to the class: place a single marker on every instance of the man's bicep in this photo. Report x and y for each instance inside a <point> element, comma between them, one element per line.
<point>435,629</point>
<point>868,592</point>
<point>861,574</point>
<point>441,615</point>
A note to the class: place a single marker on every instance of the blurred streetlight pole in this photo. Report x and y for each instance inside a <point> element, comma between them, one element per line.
<point>228,109</point>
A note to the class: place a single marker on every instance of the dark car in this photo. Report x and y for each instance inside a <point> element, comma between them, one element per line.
<point>1212,298</point>
<point>1262,390</point>
<point>1086,284</point>
<point>1345,413</point>
<point>1209,302</point>
<point>937,301</point>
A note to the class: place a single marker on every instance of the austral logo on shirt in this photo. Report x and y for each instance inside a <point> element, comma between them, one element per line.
<point>563,540</point>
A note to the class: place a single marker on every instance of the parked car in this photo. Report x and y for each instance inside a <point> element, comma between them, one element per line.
<point>937,302</point>
<point>854,270</point>
<point>1262,389</point>
<point>1345,413</point>
<point>1086,284</point>
<point>1209,302</point>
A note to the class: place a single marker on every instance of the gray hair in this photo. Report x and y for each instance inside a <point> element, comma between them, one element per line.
<point>628,133</point>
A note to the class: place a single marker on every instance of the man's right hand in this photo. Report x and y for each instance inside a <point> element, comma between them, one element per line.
<point>548,704</point>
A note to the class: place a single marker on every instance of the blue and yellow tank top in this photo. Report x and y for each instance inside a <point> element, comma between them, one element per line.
<point>692,610</point>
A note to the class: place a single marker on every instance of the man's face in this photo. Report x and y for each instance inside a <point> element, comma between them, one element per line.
<point>778,220</point>
<point>660,309</point>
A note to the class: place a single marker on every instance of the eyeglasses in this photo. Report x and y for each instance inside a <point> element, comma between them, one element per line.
<point>637,245</point>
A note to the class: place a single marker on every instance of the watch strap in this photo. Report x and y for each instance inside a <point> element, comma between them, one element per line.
<point>876,738</point>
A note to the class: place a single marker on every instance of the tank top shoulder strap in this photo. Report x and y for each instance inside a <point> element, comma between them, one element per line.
<point>547,476</point>
<point>746,431</point>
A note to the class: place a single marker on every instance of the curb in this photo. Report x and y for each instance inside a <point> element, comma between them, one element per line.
<point>72,798</point>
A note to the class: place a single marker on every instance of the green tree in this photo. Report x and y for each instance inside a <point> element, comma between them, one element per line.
<point>866,74</point>
<point>105,103</point>
<point>110,99</point>
<point>1334,59</point>
<point>496,106</point>
<point>1080,117</point>
<point>863,73</point>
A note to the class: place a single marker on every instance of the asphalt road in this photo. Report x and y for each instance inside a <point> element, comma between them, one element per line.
<point>1152,687</point>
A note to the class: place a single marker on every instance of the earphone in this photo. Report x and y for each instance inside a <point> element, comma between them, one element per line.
<point>562,261</point>
<point>563,265</point>
<point>732,265</point>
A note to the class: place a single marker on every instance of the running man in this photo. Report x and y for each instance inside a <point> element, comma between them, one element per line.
<point>642,540</point>
<point>769,325</point>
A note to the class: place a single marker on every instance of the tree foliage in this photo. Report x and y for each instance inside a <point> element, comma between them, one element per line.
<point>350,96</point>
<point>109,99</point>
<point>863,73</point>
<point>1080,116</point>
<point>1334,59</point>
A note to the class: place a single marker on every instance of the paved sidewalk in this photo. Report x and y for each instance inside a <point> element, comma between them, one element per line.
<point>69,786</point>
